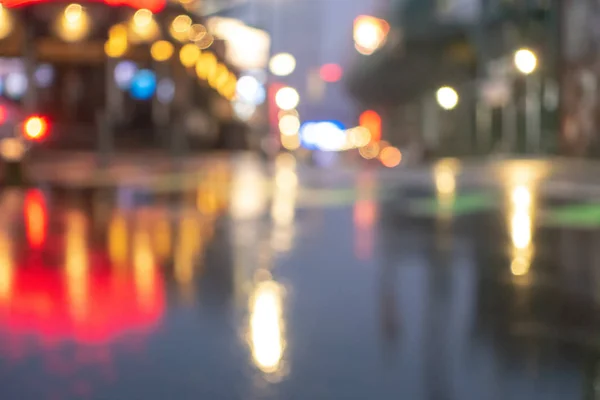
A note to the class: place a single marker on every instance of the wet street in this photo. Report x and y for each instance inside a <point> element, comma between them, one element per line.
<point>237,282</point>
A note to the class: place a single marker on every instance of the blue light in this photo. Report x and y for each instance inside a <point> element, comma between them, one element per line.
<point>324,135</point>
<point>143,85</point>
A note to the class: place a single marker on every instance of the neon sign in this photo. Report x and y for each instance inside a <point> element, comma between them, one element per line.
<point>152,5</point>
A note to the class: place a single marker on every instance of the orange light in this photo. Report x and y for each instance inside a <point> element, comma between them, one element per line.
<point>372,121</point>
<point>35,128</point>
<point>390,157</point>
<point>2,115</point>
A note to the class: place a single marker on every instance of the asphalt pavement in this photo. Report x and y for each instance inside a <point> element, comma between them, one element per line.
<point>225,278</point>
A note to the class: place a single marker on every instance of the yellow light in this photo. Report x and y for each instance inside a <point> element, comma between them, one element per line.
<point>526,61</point>
<point>74,24</point>
<point>197,32</point>
<point>189,55</point>
<point>115,48</point>
<point>358,137</point>
<point>521,229</point>
<point>144,267</point>
<point>143,26</point>
<point>161,50</point>
<point>289,125</point>
<point>282,64</point>
<point>142,18</point>
<point>181,24</point>
<point>73,13</point>
<point>219,76</point>
<point>290,143</point>
<point>447,98</point>
<point>205,42</point>
<point>6,22</point>
<point>266,327</point>
<point>369,151</point>
<point>205,65</point>
<point>287,98</point>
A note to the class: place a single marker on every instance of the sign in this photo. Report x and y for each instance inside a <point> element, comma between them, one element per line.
<point>152,5</point>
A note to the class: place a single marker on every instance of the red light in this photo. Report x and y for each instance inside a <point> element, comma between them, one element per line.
<point>152,5</point>
<point>35,128</point>
<point>331,72</point>
<point>2,115</point>
<point>35,218</point>
<point>372,121</point>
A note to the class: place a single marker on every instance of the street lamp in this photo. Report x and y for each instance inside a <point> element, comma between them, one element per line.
<point>447,97</point>
<point>525,60</point>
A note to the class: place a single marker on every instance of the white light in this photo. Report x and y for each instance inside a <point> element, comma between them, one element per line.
<point>124,73</point>
<point>44,75</point>
<point>287,98</point>
<point>282,64</point>
<point>330,137</point>
<point>165,91</point>
<point>244,111</point>
<point>15,85</point>
<point>447,98</point>
<point>525,61</point>
<point>250,90</point>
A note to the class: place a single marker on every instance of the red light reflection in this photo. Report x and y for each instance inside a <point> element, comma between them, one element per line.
<point>36,215</point>
<point>152,5</point>
<point>40,303</point>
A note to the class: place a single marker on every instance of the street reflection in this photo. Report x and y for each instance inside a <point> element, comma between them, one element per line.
<point>266,326</point>
<point>283,208</point>
<point>76,264</point>
<point>35,218</point>
<point>445,172</point>
<point>521,229</point>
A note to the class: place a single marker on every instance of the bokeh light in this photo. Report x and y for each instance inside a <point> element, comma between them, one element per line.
<point>206,64</point>
<point>287,98</point>
<point>289,125</point>
<point>165,90</point>
<point>290,143</point>
<point>143,85</point>
<point>197,32</point>
<point>390,157</point>
<point>6,22</point>
<point>189,55</point>
<point>144,27</point>
<point>369,33</point>
<point>124,73</point>
<point>44,75</point>
<point>250,90</point>
<point>331,72</point>
<point>371,121</point>
<point>282,64</point>
<point>15,85</point>
<point>116,45</point>
<point>447,97</point>
<point>161,50</point>
<point>369,151</point>
<point>74,24</point>
<point>525,60</point>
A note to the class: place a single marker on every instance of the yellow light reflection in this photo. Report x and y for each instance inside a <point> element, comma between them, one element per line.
<point>144,267</point>
<point>162,237</point>
<point>188,246</point>
<point>6,267</point>
<point>521,229</point>
<point>267,327</point>
<point>118,238</point>
<point>77,263</point>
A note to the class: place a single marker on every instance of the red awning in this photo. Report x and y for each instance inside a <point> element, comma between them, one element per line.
<point>152,5</point>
